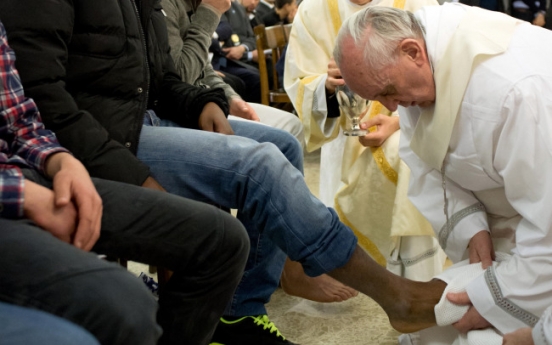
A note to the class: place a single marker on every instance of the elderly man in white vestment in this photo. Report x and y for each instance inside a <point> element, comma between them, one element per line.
<point>362,178</point>
<point>473,89</point>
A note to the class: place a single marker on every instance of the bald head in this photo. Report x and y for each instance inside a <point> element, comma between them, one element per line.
<point>379,30</point>
<point>382,56</point>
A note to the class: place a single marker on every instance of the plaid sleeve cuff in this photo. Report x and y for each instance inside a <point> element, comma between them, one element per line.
<point>44,154</point>
<point>12,184</point>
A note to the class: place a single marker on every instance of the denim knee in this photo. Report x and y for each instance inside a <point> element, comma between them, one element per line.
<point>236,242</point>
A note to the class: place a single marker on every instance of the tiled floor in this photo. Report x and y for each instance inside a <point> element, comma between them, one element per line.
<point>359,321</point>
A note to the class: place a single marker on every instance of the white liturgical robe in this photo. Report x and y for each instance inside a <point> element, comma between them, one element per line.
<point>496,164</point>
<point>367,186</point>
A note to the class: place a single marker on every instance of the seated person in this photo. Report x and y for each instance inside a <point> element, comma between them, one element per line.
<point>251,11</point>
<point>469,85</point>
<point>264,7</point>
<point>283,12</point>
<point>52,214</point>
<point>189,38</point>
<point>226,46</point>
<point>532,11</point>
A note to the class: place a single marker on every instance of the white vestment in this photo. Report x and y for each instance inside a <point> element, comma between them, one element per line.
<point>542,333</point>
<point>495,168</point>
<point>367,186</point>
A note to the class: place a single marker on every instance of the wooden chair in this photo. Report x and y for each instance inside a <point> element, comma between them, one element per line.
<point>273,38</point>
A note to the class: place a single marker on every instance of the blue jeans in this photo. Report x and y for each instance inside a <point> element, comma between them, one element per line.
<point>258,171</point>
<point>33,327</point>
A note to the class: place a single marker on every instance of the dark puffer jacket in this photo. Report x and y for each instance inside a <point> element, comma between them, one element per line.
<point>94,67</point>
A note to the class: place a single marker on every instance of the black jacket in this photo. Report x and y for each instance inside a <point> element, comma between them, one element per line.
<point>237,18</point>
<point>93,68</point>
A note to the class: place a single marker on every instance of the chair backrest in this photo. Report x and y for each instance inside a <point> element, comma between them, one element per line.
<point>273,39</point>
<point>287,30</point>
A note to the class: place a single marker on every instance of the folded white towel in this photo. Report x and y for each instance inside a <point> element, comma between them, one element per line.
<point>457,278</point>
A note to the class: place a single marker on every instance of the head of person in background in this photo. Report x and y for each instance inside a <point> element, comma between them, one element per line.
<point>249,5</point>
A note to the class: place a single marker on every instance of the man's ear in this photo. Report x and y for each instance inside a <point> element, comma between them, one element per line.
<point>412,49</point>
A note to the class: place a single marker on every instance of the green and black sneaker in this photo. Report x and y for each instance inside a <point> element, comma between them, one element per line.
<point>248,330</point>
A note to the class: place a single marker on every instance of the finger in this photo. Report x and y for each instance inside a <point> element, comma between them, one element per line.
<point>371,123</point>
<point>85,226</point>
<point>207,125</point>
<point>62,191</point>
<point>89,208</point>
<point>224,127</point>
<point>460,298</point>
<point>485,258</point>
<point>461,326</point>
<point>474,256</point>
<point>336,82</point>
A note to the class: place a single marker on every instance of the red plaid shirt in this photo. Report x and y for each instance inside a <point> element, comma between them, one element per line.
<point>24,143</point>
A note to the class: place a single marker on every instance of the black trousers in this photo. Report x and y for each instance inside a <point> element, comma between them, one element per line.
<point>205,247</point>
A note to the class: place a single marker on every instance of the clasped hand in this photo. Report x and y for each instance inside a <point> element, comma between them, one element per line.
<point>72,209</point>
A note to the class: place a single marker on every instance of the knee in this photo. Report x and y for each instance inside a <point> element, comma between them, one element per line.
<point>235,243</point>
<point>119,309</point>
<point>290,146</point>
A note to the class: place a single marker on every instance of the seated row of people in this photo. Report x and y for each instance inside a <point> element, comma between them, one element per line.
<point>108,88</point>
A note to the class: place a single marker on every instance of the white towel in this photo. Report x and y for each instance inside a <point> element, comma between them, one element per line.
<point>457,278</point>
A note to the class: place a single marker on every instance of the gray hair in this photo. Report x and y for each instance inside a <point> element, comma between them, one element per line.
<point>389,26</point>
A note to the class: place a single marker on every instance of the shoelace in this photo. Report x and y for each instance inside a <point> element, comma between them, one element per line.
<point>262,320</point>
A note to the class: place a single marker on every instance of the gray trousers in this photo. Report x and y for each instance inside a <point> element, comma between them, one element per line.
<point>205,247</point>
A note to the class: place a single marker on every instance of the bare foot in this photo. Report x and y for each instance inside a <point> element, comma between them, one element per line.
<point>415,309</point>
<point>408,304</point>
<point>319,289</point>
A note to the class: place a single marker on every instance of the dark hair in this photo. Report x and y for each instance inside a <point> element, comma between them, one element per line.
<point>281,3</point>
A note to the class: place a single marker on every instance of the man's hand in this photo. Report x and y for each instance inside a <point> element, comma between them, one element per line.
<point>73,188</point>
<point>152,183</point>
<point>523,336</point>
<point>240,108</point>
<point>472,319</point>
<point>539,20</point>
<point>334,77</point>
<point>220,5</point>
<point>234,53</point>
<point>40,207</point>
<point>254,56</point>
<point>212,119</point>
<point>386,125</point>
<point>481,249</point>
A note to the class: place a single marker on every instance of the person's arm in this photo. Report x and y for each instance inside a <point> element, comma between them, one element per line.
<point>72,210</point>
<point>27,142</point>
<point>213,80</point>
<point>467,216</point>
<point>190,38</point>
<point>41,38</point>
<point>179,101</point>
<point>518,290</point>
